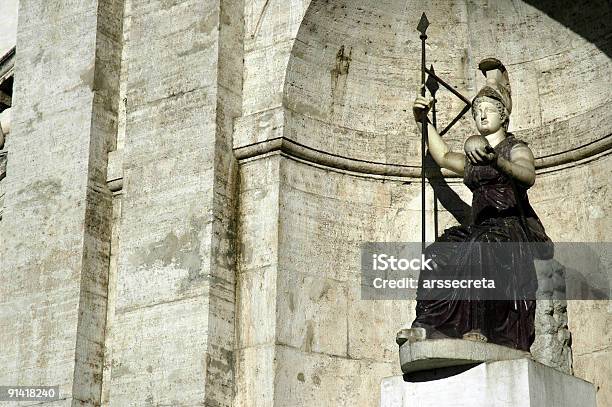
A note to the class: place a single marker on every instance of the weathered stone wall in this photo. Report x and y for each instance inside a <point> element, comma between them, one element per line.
<point>202,275</point>
<point>55,231</point>
<point>355,68</point>
<point>8,25</point>
<point>8,34</point>
<point>300,318</point>
<point>573,203</point>
<point>173,321</point>
<point>346,106</point>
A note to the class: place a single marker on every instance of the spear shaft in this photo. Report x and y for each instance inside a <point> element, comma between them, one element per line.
<point>422,27</point>
<point>435,198</point>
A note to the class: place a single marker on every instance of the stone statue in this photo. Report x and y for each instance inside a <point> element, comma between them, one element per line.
<point>499,169</point>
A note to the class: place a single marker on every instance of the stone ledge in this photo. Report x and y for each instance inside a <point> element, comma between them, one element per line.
<point>552,163</point>
<point>416,356</point>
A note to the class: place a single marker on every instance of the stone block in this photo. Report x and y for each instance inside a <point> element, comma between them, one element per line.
<point>162,355</point>
<point>510,383</point>
<point>596,368</point>
<point>312,313</point>
<point>258,127</point>
<point>258,210</point>
<point>308,379</point>
<point>589,319</point>
<point>374,340</point>
<point>256,307</point>
<point>254,377</point>
<point>264,73</point>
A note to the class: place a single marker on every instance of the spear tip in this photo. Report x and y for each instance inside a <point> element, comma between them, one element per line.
<point>432,84</point>
<point>423,24</point>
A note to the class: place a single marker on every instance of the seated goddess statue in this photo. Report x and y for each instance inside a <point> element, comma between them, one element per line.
<point>499,169</point>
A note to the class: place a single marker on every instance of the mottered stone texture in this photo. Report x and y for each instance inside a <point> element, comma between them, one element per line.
<point>173,323</point>
<point>573,204</point>
<point>300,228</point>
<point>201,280</point>
<point>8,24</point>
<point>355,70</point>
<point>54,235</point>
<point>301,323</point>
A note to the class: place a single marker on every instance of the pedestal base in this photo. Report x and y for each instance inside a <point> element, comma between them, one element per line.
<point>428,354</point>
<point>508,383</point>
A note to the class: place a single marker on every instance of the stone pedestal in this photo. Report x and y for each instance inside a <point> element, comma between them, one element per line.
<point>423,356</point>
<point>507,383</point>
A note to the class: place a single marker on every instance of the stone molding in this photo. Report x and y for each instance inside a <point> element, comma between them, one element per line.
<point>270,124</point>
<point>278,143</point>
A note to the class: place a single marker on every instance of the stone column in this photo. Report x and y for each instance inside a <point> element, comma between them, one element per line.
<point>173,321</point>
<point>54,235</point>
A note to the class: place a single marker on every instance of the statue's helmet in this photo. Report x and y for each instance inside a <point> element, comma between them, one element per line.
<point>497,88</point>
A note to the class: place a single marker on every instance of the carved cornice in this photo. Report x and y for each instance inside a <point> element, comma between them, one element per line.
<point>544,164</point>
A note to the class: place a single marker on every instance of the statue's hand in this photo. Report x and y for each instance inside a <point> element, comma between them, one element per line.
<point>421,107</point>
<point>480,156</point>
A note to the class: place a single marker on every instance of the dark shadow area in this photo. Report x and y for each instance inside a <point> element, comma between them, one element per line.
<point>446,197</point>
<point>443,193</point>
<point>591,20</point>
<point>437,374</point>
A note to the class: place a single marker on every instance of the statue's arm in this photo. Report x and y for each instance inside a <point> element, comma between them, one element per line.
<point>521,165</point>
<point>441,153</point>
<point>454,161</point>
<point>438,148</point>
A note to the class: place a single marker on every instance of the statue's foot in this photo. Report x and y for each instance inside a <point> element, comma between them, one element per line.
<point>410,335</point>
<point>475,335</point>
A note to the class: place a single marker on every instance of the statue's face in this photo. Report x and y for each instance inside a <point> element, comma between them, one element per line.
<point>487,118</point>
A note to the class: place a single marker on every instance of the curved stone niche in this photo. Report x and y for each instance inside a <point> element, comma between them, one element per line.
<point>355,68</point>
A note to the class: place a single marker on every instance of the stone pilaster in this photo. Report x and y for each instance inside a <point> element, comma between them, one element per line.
<point>55,231</point>
<point>174,316</point>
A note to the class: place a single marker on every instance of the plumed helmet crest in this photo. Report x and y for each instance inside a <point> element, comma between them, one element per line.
<point>498,83</point>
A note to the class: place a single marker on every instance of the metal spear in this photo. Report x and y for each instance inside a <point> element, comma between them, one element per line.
<point>422,28</point>
<point>432,87</point>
